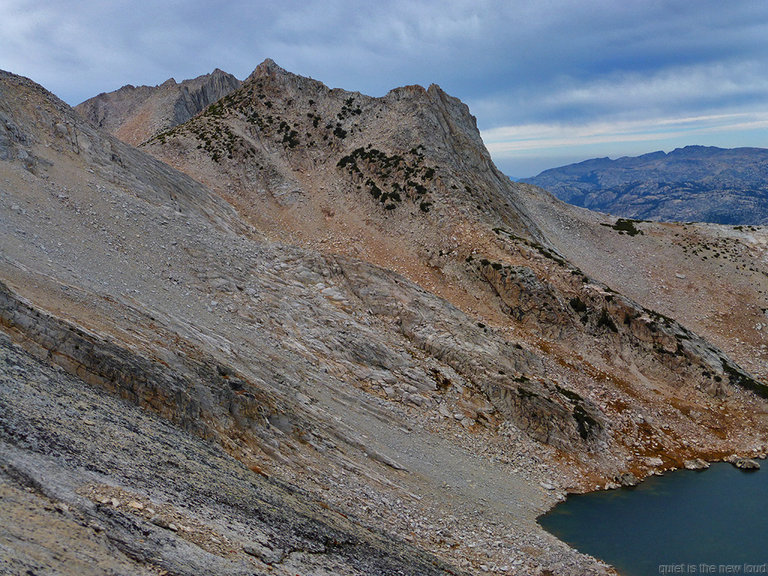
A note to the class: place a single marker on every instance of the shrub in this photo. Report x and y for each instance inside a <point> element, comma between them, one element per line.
<point>606,320</point>
<point>625,226</point>
<point>577,304</point>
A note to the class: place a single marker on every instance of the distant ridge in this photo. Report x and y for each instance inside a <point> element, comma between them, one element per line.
<point>136,113</point>
<point>695,183</point>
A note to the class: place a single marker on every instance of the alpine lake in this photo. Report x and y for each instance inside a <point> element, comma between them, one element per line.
<point>712,521</point>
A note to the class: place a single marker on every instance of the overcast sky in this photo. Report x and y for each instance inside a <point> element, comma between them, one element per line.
<point>550,81</point>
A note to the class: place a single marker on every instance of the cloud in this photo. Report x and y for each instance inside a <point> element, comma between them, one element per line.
<point>683,90</point>
<point>677,87</point>
<point>510,140</point>
<point>526,150</point>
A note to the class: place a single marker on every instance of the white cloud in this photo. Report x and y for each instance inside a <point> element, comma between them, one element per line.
<point>677,85</point>
<point>700,89</point>
<point>513,141</point>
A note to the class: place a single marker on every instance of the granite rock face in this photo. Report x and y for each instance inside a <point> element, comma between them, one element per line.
<point>93,484</point>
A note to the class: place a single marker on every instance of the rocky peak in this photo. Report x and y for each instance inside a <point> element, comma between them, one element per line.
<point>268,68</point>
<point>42,133</point>
<point>135,114</point>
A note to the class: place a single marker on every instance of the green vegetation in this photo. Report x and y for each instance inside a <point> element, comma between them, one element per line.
<point>290,136</point>
<point>213,135</point>
<point>625,226</point>
<point>402,175</point>
<point>339,132</point>
<point>606,321</point>
<point>347,109</point>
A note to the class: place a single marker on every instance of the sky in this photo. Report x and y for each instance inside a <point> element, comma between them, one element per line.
<point>550,81</point>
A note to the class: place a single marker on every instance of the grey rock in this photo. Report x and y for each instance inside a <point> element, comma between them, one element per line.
<point>627,479</point>
<point>136,114</point>
<point>49,456</point>
<point>263,553</point>
<point>746,464</point>
<point>696,464</point>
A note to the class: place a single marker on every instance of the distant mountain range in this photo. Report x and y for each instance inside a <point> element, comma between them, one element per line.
<point>695,183</point>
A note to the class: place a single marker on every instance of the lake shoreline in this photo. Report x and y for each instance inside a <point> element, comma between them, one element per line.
<point>583,509</point>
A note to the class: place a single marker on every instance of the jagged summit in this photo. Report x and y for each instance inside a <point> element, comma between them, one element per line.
<point>268,68</point>
<point>135,114</point>
<point>308,120</point>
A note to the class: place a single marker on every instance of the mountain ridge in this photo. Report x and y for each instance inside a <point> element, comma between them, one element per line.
<point>694,183</point>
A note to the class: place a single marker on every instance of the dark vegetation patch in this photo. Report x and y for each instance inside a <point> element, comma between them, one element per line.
<point>743,380</point>
<point>391,178</point>
<point>585,422</point>
<point>577,304</point>
<point>625,226</point>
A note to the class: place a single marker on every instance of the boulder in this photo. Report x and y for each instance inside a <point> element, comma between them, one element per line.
<point>696,464</point>
<point>627,479</point>
<point>747,464</point>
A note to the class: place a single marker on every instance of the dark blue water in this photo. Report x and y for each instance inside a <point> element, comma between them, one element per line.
<point>685,522</point>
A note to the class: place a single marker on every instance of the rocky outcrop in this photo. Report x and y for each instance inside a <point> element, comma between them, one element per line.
<point>201,396</point>
<point>91,483</point>
<point>743,463</point>
<point>583,311</point>
<point>504,373</point>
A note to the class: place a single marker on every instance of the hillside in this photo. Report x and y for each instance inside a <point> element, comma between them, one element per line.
<point>691,184</point>
<point>343,342</point>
